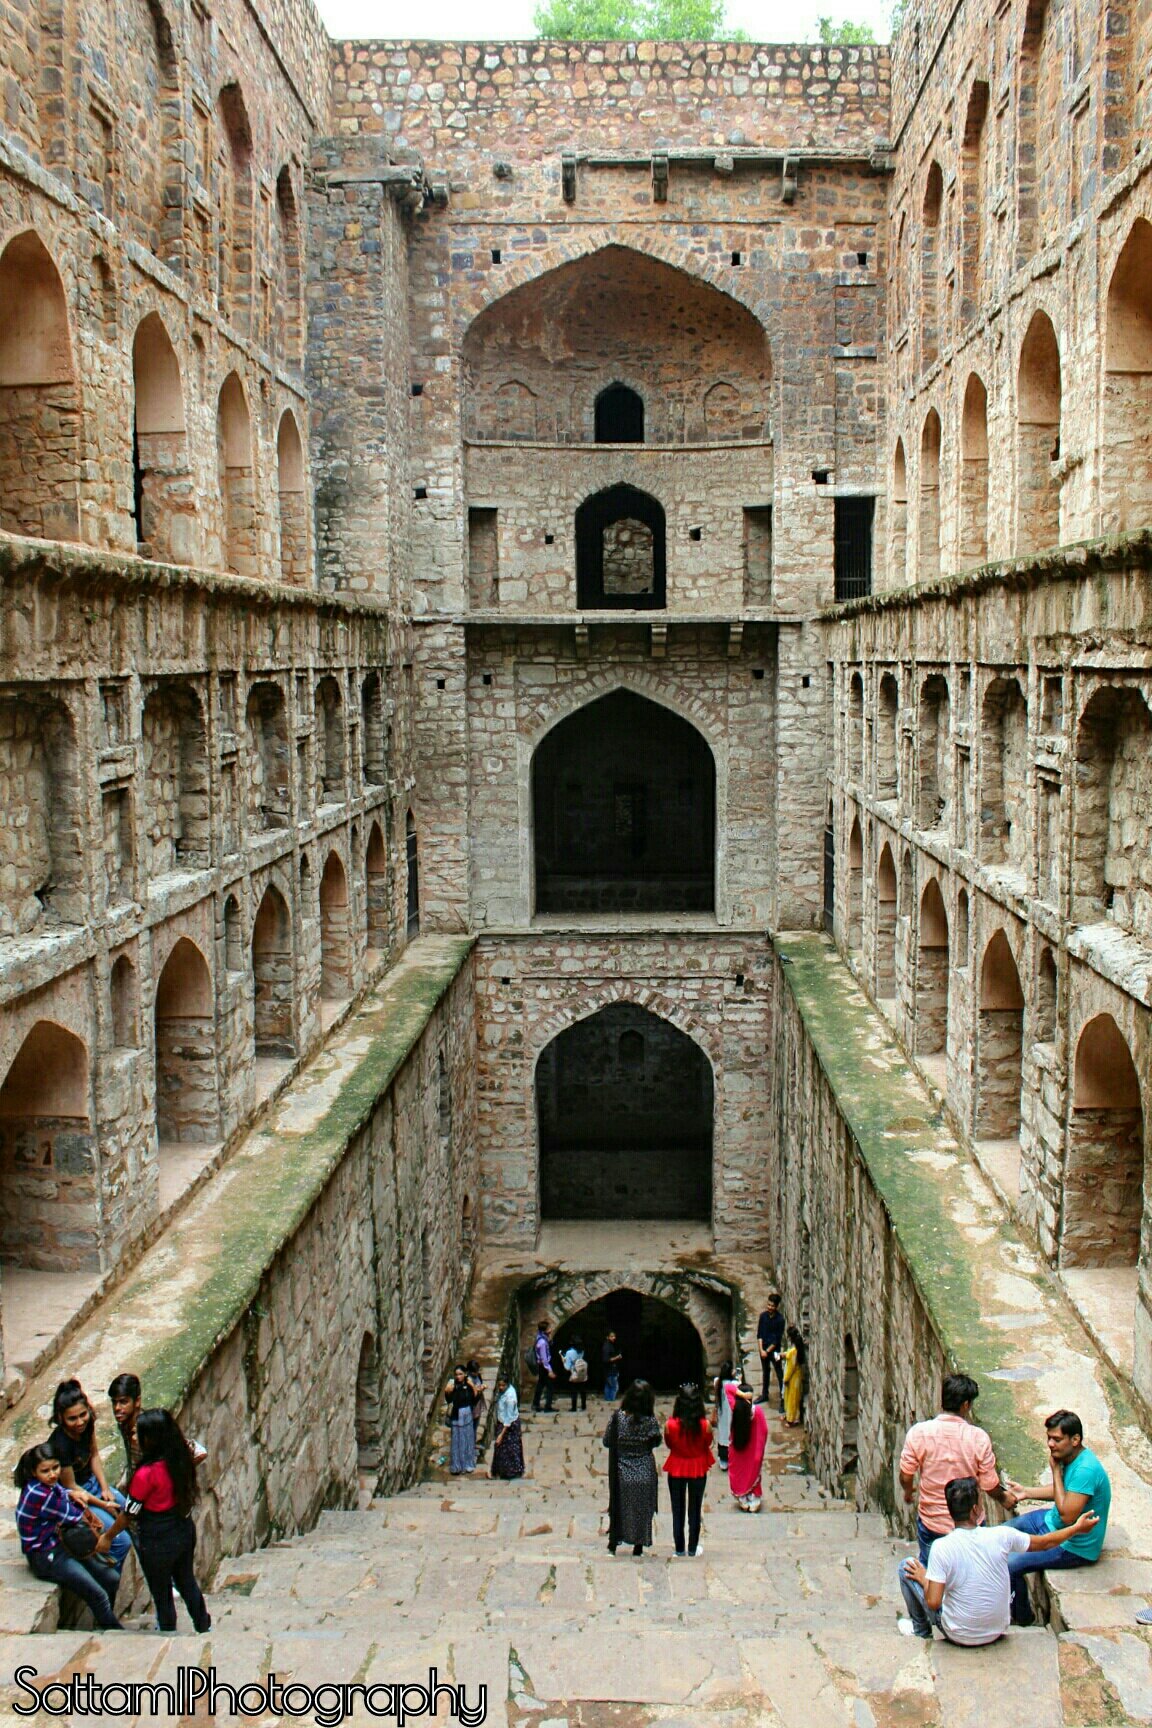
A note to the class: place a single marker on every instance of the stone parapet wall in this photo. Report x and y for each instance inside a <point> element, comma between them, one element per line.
<point>438,97</point>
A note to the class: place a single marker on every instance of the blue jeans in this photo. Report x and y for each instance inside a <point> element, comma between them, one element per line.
<point>922,1617</point>
<point>611,1386</point>
<point>926,1537</point>
<point>1041,1560</point>
<point>95,1584</point>
<point>121,1544</point>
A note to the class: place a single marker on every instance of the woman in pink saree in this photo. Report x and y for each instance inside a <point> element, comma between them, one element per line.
<point>746,1448</point>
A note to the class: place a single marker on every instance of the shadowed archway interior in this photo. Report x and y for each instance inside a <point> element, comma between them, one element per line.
<point>624,811</point>
<point>658,1343</point>
<point>624,1101</point>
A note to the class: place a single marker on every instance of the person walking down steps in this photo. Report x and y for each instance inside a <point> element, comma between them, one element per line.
<point>576,1367</point>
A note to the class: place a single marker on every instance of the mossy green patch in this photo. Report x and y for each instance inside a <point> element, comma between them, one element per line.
<point>890,1117</point>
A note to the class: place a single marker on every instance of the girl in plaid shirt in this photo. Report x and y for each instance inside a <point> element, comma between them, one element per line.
<point>43,1507</point>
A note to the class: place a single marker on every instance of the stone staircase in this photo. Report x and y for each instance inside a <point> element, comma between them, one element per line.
<point>788,1620</point>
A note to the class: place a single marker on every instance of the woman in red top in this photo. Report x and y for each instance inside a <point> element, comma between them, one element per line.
<point>160,1497</point>
<point>688,1437</point>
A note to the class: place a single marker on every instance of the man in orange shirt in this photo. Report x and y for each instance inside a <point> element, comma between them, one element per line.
<point>939,1451</point>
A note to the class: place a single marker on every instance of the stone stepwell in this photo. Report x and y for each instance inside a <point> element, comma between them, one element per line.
<point>787,1620</point>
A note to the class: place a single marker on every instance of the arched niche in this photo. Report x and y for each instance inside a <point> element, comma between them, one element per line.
<point>1000,1043</point>
<point>49,1187</point>
<point>929,536</point>
<point>886,925</point>
<point>1126,444</point>
<point>412,876</point>
<point>934,746</point>
<point>620,550</point>
<point>855,885</point>
<point>273,977</point>
<point>887,737</point>
<point>331,787</point>
<point>617,314</point>
<point>163,496</point>
<point>930,246</point>
<point>41,432</point>
<point>292,500</point>
<point>1104,1176</point>
<point>898,518</point>
<point>335,932</point>
<point>974,472</point>
<point>376,893</point>
<point>624,811</point>
<point>41,859</point>
<point>240,552</point>
<point>1112,815</point>
<point>624,1104</point>
<point>268,765</point>
<point>175,752</point>
<point>187,1095</point>
<point>933,963</point>
<point>1038,397</point>
<point>1003,774</point>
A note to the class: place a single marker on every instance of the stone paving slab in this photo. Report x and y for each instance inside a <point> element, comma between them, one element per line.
<point>1018,1678</point>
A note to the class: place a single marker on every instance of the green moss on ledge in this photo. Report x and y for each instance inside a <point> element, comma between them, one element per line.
<point>890,1116</point>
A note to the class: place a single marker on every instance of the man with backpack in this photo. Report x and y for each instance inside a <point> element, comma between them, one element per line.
<point>542,1367</point>
<point>576,1365</point>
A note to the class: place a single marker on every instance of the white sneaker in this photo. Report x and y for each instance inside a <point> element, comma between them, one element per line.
<point>754,1505</point>
<point>905,1627</point>
<point>697,1552</point>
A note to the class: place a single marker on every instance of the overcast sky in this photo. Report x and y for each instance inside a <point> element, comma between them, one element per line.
<point>511,20</point>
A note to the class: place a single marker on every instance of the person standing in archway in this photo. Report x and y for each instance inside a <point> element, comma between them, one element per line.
<point>545,1373</point>
<point>631,1437</point>
<point>611,1357</point>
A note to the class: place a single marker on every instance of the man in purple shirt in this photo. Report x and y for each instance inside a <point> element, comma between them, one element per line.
<point>545,1373</point>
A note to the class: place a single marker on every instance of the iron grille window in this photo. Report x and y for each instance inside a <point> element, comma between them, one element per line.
<point>853,547</point>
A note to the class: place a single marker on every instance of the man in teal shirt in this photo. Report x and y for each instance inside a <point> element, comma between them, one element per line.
<point>1079,1484</point>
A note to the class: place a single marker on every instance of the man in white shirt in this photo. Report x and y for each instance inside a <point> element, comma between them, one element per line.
<point>966,1589</point>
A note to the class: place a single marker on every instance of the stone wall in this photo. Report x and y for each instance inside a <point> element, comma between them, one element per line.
<point>161,737</point>
<point>714,987</point>
<point>1030,870</point>
<point>861,1309</point>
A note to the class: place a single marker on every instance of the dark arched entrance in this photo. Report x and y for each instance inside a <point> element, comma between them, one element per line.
<point>624,1103</point>
<point>624,811</point>
<point>620,550</point>
<point>658,1342</point>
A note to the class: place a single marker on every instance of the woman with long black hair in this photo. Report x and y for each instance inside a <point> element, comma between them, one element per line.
<point>631,1437</point>
<point>688,1437</point>
<point>161,1495</point>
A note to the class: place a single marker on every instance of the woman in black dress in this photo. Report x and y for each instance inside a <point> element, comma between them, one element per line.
<point>631,1437</point>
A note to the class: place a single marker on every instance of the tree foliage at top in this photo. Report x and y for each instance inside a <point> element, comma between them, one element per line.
<point>634,21</point>
<point>835,35</point>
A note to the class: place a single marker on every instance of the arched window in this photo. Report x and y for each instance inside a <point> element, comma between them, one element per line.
<point>40,421</point>
<point>234,251</point>
<point>1040,160</point>
<point>619,416</point>
<point>886,926</point>
<point>1038,439</point>
<point>855,885</point>
<point>620,550</point>
<point>620,1139</point>
<point>412,862</point>
<point>624,811</point>
<point>376,895</point>
<point>290,307</point>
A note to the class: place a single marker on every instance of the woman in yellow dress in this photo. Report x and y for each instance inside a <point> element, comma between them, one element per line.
<point>795,1370</point>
